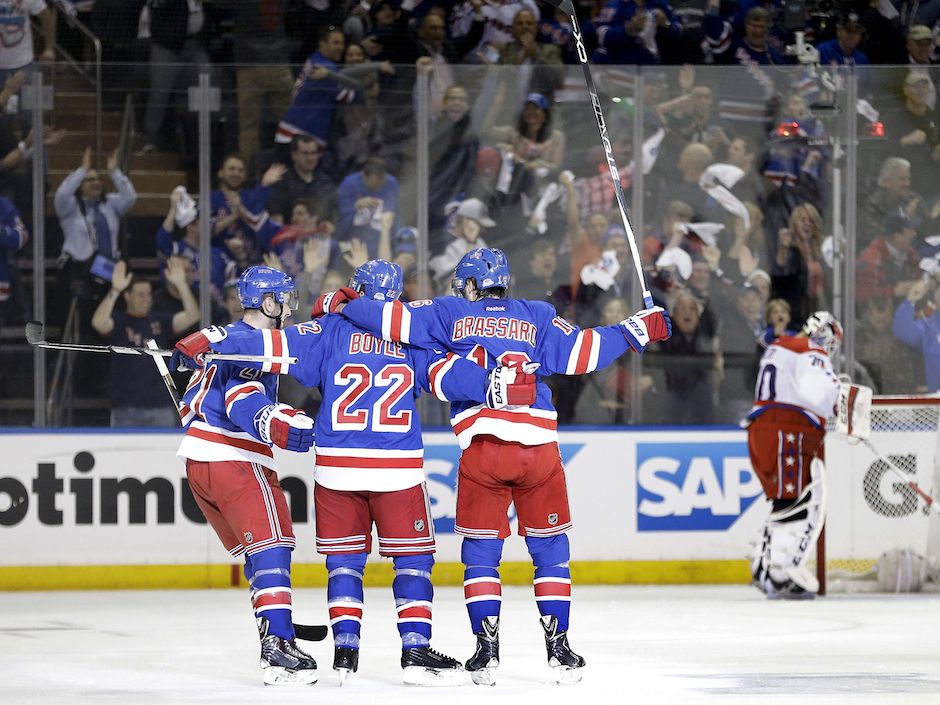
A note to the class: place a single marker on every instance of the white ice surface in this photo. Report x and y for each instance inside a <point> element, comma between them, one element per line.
<point>643,645</point>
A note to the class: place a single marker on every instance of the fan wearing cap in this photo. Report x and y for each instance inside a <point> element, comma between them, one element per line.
<point>534,144</point>
<point>915,130</point>
<point>888,266</point>
<point>472,217</point>
<point>843,50</point>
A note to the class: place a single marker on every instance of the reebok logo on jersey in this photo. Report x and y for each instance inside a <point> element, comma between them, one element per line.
<point>495,308</point>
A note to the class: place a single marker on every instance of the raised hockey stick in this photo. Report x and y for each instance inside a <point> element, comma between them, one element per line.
<point>34,336</point>
<point>567,7</point>
<point>903,476</point>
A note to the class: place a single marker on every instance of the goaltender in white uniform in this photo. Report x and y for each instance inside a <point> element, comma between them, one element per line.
<point>796,392</point>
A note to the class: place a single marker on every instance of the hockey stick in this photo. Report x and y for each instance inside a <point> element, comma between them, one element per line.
<point>167,377</point>
<point>567,7</point>
<point>903,476</point>
<point>34,336</point>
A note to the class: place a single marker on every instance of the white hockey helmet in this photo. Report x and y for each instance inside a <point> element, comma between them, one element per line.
<point>824,331</point>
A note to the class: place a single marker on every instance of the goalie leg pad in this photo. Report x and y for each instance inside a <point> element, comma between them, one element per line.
<point>414,595</point>
<point>550,556</point>
<point>344,596</point>
<point>268,575</point>
<point>794,528</point>
<point>482,589</point>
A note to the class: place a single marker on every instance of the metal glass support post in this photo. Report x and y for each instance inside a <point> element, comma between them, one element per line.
<point>204,99</point>
<point>423,119</point>
<point>636,205</point>
<point>851,217</point>
<point>38,98</point>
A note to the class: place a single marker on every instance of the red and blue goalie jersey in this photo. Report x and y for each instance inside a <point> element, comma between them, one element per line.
<point>368,431</point>
<point>221,403</point>
<point>493,332</point>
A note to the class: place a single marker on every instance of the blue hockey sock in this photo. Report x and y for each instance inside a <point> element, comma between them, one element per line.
<point>268,575</point>
<point>344,597</point>
<point>550,556</point>
<point>413,597</point>
<point>482,590</point>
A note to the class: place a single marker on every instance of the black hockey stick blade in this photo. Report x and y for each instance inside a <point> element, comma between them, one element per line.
<point>34,330</point>
<point>311,632</point>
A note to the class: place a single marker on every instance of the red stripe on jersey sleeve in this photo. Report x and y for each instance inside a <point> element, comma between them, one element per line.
<point>584,354</point>
<point>277,349</point>
<point>395,328</point>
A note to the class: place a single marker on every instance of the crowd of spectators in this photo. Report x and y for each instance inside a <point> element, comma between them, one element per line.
<point>740,125</point>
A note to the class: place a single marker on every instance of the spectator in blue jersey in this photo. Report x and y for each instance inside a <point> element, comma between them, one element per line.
<point>178,236</point>
<point>843,50</point>
<point>510,455</point>
<point>138,396</point>
<point>363,198</point>
<point>316,92</point>
<point>750,49</point>
<point>13,238</point>
<point>630,31</point>
<point>232,420</point>
<point>919,328</point>
<point>369,460</point>
<point>236,211</point>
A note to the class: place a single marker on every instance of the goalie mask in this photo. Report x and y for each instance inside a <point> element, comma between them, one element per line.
<point>258,281</point>
<point>378,280</point>
<point>487,267</point>
<point>824,331</point>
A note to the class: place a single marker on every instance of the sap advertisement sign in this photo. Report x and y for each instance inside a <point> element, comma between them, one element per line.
<point>693,486</point>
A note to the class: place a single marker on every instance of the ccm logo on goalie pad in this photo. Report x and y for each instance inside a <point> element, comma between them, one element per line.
<point>693,486</point>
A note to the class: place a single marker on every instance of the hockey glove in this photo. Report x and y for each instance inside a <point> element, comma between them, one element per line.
<point>333,301</point>
<point>188,353</point>
<point>285,427</point>
<point>511,386</point>
<point>645,327</point>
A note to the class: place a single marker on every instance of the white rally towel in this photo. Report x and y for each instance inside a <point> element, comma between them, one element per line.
<point>716,180</point>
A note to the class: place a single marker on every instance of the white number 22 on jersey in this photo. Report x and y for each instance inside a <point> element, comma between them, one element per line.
<point>358,379</point>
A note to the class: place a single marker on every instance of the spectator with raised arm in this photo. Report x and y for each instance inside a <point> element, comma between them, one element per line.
<point>920,329</point>
<point>90,220</point>
<point>138,396</point>
<point>363,197</point>
<point>889,265</point>
<point>538,65</point>
<point>306,177</point>
<point>13,238</point>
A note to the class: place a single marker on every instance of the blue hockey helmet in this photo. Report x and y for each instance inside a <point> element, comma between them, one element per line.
<point>378,280</point>
<point>487,267</point>
<point>257,281</point>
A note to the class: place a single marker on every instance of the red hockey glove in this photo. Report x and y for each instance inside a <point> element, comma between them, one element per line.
<point>188,353</point>
<point>285,427</point>
<point>511,386</point>
<point>645,327</point>
<point>333,301</point>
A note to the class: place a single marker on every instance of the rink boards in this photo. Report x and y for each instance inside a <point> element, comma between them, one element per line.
<point>666,505</point>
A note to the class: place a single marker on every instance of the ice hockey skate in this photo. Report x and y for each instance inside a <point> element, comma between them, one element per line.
<point>564,662</point>
<point>425,666</point>
<point>282,663</point>
<point>345,662</point>
<point>482,665</point>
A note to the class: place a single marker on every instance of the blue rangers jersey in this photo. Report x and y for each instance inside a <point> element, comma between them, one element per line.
<point>368,431</point>
<point>493,332</point>
<point>219,409</point>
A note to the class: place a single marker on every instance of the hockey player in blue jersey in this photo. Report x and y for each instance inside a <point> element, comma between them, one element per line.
<point>369,461</point>
<point>509,454</point>
<point>232,418</point>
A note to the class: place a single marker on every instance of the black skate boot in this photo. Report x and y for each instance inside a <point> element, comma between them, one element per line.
<point>425,666</point>
<point>345,661</point>
<point>564,662</point>
<point>485,659</point>
<point>281,661</point>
